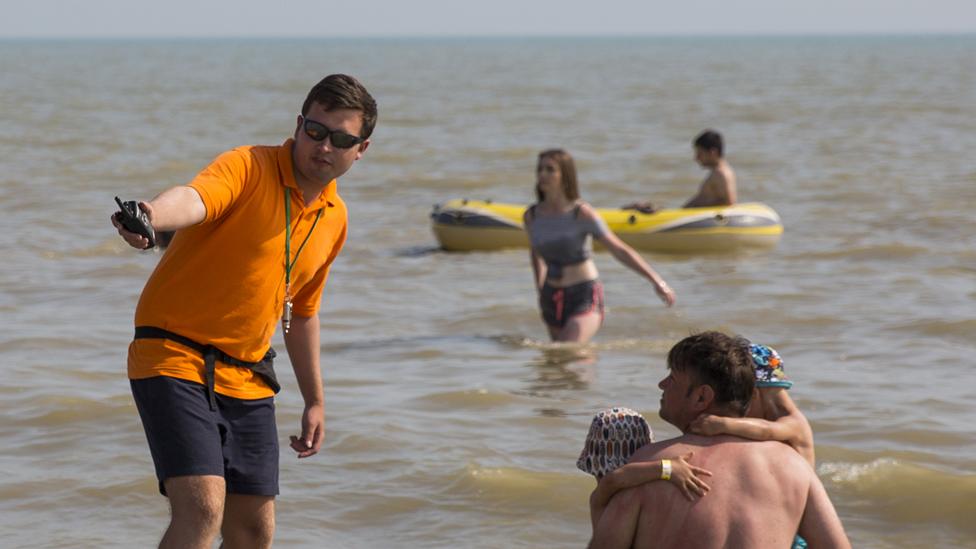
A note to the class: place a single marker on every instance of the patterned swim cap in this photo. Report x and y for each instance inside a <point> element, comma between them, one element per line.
<point>769,367</point>
<point>615,434</point>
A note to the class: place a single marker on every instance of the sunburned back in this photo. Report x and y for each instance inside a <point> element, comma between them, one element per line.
<point>757,497</point>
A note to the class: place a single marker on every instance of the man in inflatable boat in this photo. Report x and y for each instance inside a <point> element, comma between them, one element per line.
<point>718,188</point>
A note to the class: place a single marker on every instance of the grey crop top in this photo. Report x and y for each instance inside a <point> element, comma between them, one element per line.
<point>563,239</point>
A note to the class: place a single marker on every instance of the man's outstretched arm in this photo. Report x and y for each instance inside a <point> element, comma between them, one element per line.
<point>173,209</point>
<point>618,524</point>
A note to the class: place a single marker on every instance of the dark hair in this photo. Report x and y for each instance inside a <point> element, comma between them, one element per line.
<point>709,140</point>
<point>720,361</point>
<point>341,91</point>
<point>567,172</point>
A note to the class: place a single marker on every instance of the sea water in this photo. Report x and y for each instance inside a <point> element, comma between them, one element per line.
<point>450,420</point>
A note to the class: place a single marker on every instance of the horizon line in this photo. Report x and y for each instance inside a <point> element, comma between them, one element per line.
<point>455,36</point>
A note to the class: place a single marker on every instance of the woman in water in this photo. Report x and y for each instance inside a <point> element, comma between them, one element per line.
<point>561,227</point>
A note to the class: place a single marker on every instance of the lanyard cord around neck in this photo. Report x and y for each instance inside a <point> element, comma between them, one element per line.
<point>289,262</point>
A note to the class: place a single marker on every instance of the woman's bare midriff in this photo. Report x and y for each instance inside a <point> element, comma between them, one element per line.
<point>574,274</point>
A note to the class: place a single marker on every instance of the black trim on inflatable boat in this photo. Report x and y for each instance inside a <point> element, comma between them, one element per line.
<point>464,219</point>
<point>738,221</point>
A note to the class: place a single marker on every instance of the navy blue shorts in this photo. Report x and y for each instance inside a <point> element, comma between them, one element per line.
<point>238,441</point>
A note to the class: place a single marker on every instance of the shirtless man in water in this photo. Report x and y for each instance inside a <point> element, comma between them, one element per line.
<point>762,493</point>
<point>718,189</point>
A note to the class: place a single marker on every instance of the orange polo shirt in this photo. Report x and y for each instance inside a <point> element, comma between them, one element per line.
<point>222,282</point>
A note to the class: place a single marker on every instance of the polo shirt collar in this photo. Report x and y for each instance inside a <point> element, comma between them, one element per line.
<point>286,170</point>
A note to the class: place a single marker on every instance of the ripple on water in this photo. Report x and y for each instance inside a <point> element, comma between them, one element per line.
<point>62,411</point>
<point>472,399</point>
<point>962,331</point>
<point>516,490</point>
<point>878,252</point>
<point>905,493</point>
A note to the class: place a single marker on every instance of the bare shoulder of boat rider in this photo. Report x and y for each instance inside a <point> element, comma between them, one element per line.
<point>719,186</point>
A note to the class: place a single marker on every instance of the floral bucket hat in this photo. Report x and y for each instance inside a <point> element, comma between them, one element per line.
<point>769,367</point>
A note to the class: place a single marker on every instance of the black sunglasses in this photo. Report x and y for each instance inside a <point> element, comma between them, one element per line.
<point>318,132</point>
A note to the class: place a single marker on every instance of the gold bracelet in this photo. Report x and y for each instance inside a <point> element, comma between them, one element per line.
<point>665,469</point>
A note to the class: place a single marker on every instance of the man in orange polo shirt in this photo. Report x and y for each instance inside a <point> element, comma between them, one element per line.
<point>258,230</point>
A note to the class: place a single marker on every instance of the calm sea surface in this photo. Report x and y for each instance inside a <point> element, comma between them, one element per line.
<point>450,421</point>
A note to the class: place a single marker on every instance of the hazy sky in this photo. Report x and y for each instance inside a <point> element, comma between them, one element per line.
<point>325,18</point>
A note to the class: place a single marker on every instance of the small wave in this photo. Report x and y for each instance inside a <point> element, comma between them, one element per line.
<point>953,270</point>
<point>371,344</point>
<point>961,330</point>
<point>390,507</point>
<point>902,493</point>
<point>62,410</point>
<point>105,248</point>
<point>418,251</point>
<point>525,489</point>
<point>468,399</point>
<point>556,347</point>
<point>515,340</point>
<point>887,252</point>
<point>557,350</point>
<point>525,342</point>
<point>841,473</point>
<point>47,344</point>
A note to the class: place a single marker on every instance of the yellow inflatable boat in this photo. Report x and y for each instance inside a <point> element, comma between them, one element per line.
<point>475,225</point>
